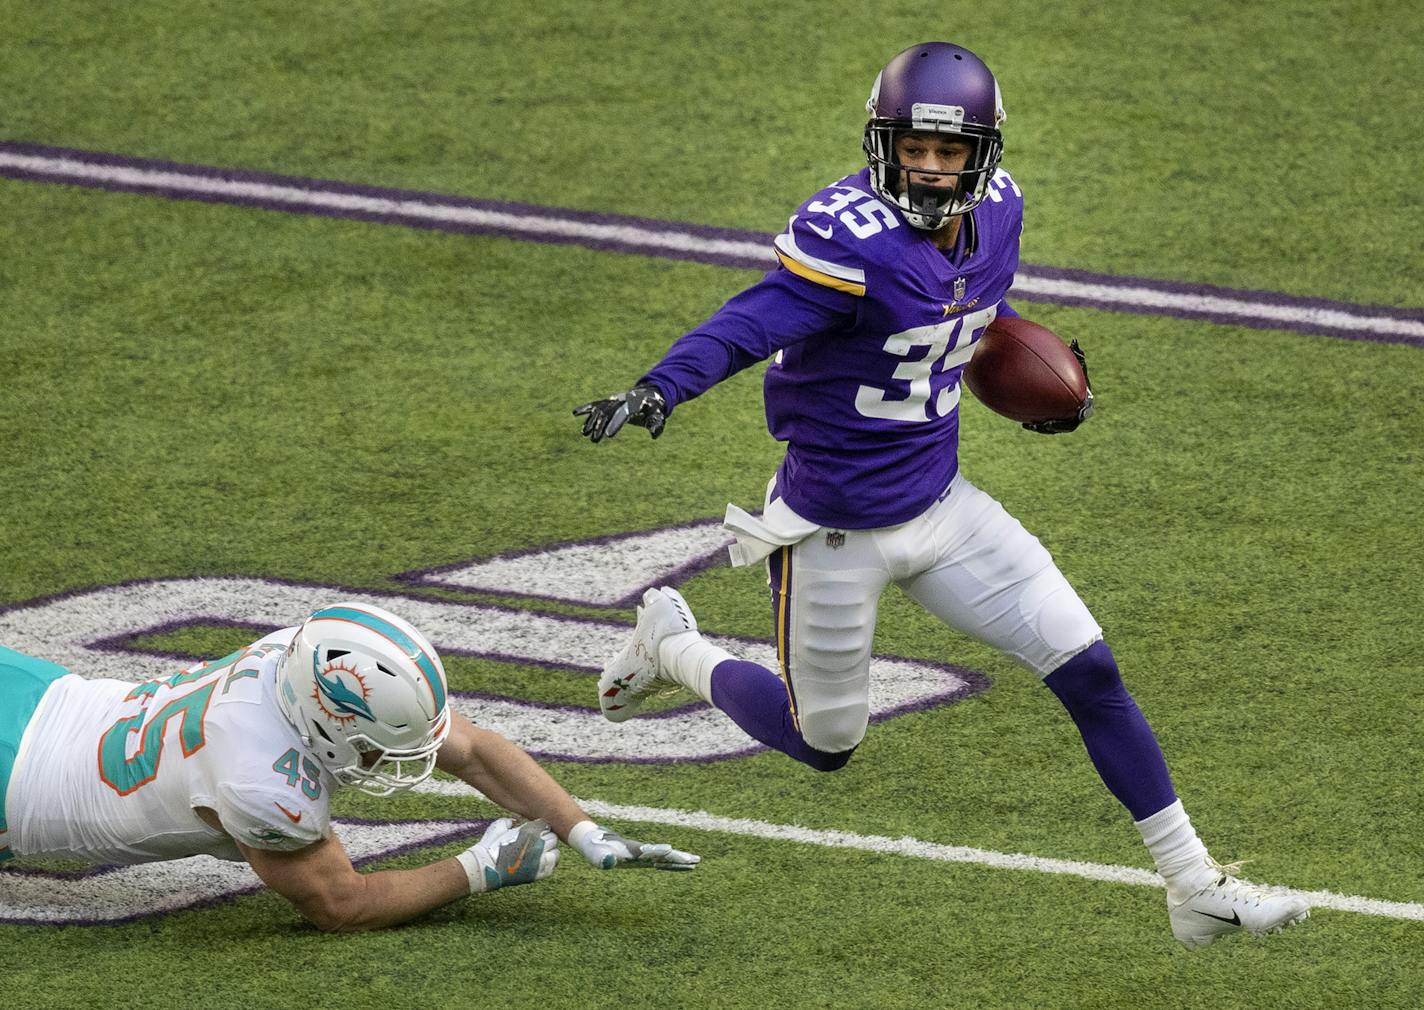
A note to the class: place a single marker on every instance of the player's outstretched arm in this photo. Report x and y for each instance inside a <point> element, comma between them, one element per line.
<point>508,776</point>
<point>323,885</point>
<point>511,778</point>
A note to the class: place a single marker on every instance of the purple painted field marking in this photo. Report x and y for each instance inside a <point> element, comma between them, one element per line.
<point>91,632</point>
<point>674,240</point>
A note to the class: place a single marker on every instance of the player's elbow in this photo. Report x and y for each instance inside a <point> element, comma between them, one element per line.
<point>329,917</point>
<point>336,909</point>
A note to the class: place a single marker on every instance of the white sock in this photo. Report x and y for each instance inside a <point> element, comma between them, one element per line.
<point>1180,856</point>
<point>688,659</point>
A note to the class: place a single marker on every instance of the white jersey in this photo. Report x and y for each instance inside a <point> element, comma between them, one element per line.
<point>111,771</point>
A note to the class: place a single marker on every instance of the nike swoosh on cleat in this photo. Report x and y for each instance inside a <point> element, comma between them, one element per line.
<point>1235,919</point>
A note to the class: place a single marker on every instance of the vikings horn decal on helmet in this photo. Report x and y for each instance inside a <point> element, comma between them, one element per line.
<point>934,87</point>
<point>366,693</point>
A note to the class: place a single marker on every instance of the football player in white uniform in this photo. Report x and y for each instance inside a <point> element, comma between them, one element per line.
<point>238,759</point>
<point>887,280</point>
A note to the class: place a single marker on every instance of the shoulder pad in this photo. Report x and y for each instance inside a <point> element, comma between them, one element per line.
<point>279,820</point>
<point>276,641</point>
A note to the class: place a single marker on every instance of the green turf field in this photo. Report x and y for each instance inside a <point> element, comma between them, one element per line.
<point>199,389</point>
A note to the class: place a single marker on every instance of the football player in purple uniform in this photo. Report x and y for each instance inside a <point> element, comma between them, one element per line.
<point>887,279</point>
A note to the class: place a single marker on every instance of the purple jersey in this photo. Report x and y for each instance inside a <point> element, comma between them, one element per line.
<point>871,326</point>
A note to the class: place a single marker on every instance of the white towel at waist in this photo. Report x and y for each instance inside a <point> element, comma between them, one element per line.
<point>758,536</point>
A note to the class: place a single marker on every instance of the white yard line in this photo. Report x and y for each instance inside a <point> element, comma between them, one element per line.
<point>700,820</point>
<point>1137,296</point>
<point>317,199</point>
<point>547,223</point>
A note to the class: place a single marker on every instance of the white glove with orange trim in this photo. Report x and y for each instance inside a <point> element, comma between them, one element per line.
<point>507,855</point>
<point>606,849</point>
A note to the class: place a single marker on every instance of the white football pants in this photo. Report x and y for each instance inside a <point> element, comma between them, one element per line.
<point>965,560</point>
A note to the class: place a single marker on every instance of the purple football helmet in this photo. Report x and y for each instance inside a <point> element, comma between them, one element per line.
<point>935,87</point>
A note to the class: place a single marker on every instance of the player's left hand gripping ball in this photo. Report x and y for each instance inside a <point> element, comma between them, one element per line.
<point>607,849</point>
<point>1085,411</point>
<point>641,405</point>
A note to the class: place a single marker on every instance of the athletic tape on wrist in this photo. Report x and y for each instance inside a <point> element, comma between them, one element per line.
<point>474,872</point>
<point>581,835</point>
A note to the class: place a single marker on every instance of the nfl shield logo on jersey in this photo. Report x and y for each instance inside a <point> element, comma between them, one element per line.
<point>960,284</point>
<point>835,540</point>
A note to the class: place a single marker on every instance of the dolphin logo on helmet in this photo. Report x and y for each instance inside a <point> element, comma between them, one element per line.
<point>343,700</point>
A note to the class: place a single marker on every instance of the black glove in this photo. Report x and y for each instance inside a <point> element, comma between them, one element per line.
<point>1060,426</point>
<point>641,405</point>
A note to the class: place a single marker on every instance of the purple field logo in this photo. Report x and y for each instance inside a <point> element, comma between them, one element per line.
<point>92,633</point>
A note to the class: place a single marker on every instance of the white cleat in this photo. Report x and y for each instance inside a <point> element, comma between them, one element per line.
<point>634,671</point>
<point>1230,905</point>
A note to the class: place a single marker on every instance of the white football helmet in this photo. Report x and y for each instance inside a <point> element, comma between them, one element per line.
<point>366,693</point>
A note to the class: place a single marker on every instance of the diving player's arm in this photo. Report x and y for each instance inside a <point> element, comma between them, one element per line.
<point>326,889</point>
<point>511,778</point>
<point>508,776</point>
<point>318,879</point>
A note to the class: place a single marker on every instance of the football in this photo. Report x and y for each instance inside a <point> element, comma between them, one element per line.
<point>1025,372</point>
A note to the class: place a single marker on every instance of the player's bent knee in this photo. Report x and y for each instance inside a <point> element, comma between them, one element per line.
<point>1088,678</point>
